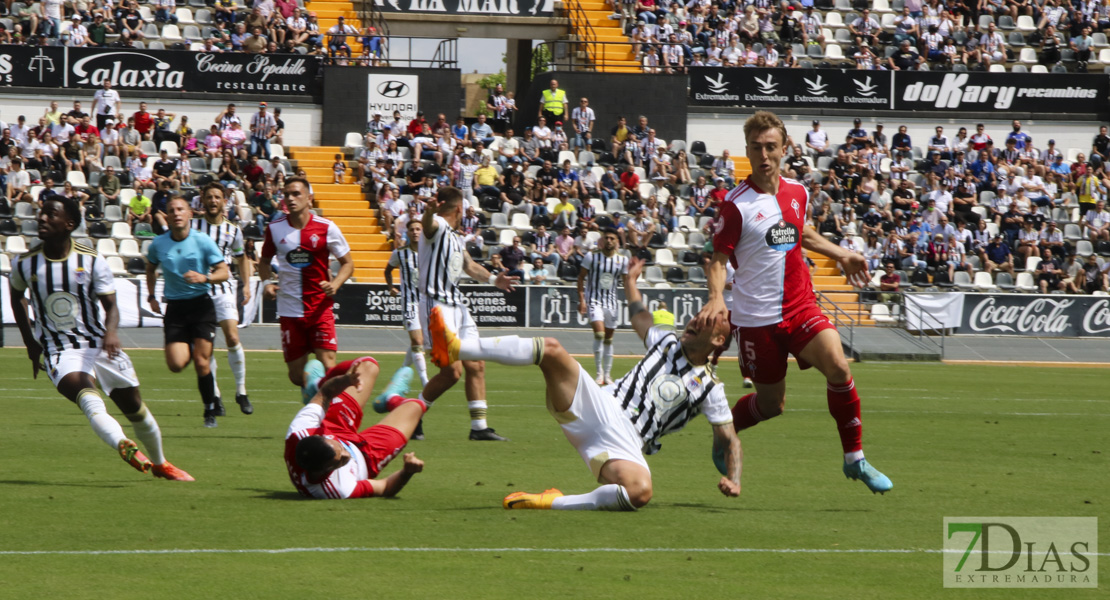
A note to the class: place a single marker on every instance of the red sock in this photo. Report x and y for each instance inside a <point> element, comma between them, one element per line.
<point>844,407</point>
<point>746,413</point>
<point>398,400</point>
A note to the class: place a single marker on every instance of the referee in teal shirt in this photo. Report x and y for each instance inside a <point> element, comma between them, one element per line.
<point>190,262</point>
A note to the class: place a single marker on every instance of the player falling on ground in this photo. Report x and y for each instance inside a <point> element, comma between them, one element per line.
<point>302,243</point>
<point>598,277</point>
<point>190,262</point>
<point>229,238</point>
<point>329,458</point>
<point>762,229</point>
<point>405,259</point>
<point>613,426</point>
<point>81,347</point>
<point>443,260</point>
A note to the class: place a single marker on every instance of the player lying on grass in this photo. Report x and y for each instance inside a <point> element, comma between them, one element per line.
<point>75,343</point>
<point>612,427</point>
<point>326,454</point>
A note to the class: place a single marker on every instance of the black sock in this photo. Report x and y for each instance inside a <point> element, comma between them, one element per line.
<point>207,386</point>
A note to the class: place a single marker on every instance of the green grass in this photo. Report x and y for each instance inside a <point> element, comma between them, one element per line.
<point>952,437</point>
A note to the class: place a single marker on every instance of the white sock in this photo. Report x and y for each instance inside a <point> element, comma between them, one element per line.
<point>598,358</point>
<point>212,363</point>
<point>477,414</point>
<point>238,361</point>
<point>606,497</point>
<point>92,404</point>
<point>852,457</point>
<point>426,402</point>
<point>420,364</point>
<point>147,431</point>
<point>508,350</point>
<point>607,356</point>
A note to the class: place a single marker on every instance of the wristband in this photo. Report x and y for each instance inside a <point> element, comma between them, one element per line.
<point>492,279</point>
<point>151,297</point>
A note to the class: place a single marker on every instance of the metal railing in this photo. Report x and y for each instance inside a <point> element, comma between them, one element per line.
<point>927,322</point>
<point>576,55</point>
<point>840,318</point>
<point>370,16</point>
<point>583,30</point>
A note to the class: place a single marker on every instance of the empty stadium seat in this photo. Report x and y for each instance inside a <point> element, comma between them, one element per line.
<point>498,220</point>
<point>676,275</point>
<point>353,140</point>
<point>1084,248</point>
<point>664,258</point>
<point>121,231</point>
<point>1004,281</point>
<point>520,222</point>
<point>8,227</point>
<point>1025,23</point>
<point>29,229</point>
<point>106,247</point>
<point>653,274</point>
<point>983,281</point>
<point>505,238</point>
<point>676,241</point>
<point>1025,282</point>
<point>128,248</point>
<point>15,245</point>
<point>5,264</point>
<point>136,266</point>
<point>1028,56</point>
<point>115,263</point>
<point>1031,265</point>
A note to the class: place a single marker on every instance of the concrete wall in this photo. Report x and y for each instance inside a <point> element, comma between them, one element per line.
<point>661,98</point>
<point>720,131</point>
<point>302,121</point>
<point>345,97</point>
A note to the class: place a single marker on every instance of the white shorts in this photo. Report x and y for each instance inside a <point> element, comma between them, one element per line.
<point>412,317</point>
<point>597,312</point>
<point>457,319</point>
<point>112,373</point>
<point>227,307</point>
<point>597,427</point>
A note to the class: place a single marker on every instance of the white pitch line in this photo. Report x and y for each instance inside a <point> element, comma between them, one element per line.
<point>493,550</point>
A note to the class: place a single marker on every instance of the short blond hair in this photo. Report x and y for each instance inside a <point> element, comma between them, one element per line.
<point>761,121</point>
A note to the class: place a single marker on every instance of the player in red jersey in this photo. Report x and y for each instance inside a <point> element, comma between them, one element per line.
<point>761,230</point>
<point>329,458</point>
<point>303,243</point>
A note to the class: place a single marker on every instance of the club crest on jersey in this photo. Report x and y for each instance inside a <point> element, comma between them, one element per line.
<point>797,208</point>
<point>782,236</point>
<point>718,226</point>
<point>80,275</point>
<point>314,240</point>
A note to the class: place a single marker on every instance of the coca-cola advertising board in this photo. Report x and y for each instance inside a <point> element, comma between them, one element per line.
<point>1036,315</point>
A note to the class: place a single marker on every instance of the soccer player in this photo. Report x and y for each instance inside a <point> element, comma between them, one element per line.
<point>190,262</point>
<point>229,238</point>
<point>302,244</point>
<point>613,426</point>
<point>761,230</point>
<point>329,458</point>
<point>598,277</point>
<point>405,260</point>
<point>80,343</point>
<point>443,260</point>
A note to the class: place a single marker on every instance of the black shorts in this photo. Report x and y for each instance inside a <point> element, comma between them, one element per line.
<point>190,319</point>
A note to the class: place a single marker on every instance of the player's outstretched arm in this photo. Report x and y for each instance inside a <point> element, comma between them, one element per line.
<point>429,218</point>
<point>111,325</point>
<point>726,442</point>
<point>855,265</point>
<point>19,310</point>
<point>582,272</point>
<point>390,486</point>
<point>389,280</point>
<point>638,314</point>
<point>244,265</point>
<point>716,272</point>
<point>151,282</point>
<point>501,281</point>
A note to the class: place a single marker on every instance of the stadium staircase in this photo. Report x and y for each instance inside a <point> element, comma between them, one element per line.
<point>346,205</point>
<point>838,292</point>
<point>328,13</point>
<point>590,22</point>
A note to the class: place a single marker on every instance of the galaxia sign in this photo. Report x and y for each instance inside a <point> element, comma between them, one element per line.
<point>172,70</point>
<point>507,8</point>
<point>1036,316</point>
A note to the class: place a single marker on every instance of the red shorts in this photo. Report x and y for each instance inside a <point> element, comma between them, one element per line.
<point>379,443</point>
<point>343,367</point>
<point>302,335</point>
<point>763,350</point>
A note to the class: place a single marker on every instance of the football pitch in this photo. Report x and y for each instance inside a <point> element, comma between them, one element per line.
<point>957,440</point>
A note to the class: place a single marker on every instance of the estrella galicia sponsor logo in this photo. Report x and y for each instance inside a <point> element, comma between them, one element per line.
<point>782,236</point>
<point>955,92</point>
<point>393,89</point>
<point>1012,552</point>
<point>128,70</point>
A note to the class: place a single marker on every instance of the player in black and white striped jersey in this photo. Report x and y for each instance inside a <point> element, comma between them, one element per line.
<point>229,239</point>
<point>443,261</point>
<point>613,427</point>
<point>598,277</point>
<point>75,341</point>
<point>405,260</point>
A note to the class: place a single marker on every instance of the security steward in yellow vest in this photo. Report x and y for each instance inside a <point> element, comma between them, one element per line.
<point>553,104</point>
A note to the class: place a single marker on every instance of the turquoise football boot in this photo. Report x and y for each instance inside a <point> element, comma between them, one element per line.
<point>313,373</point>
<point>398,386</point>
<point>871,477</point>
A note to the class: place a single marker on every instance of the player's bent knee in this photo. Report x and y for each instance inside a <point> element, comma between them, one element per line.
<point>599,335</point>
<point>368,369</point>
<point>639,493</point>
<point>474,367</point>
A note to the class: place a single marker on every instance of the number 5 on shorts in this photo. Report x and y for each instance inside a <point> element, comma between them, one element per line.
<point>749,351</point>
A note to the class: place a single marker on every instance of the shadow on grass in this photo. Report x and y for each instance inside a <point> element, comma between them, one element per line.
<point>61,483</point>
<point>274,494</point>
